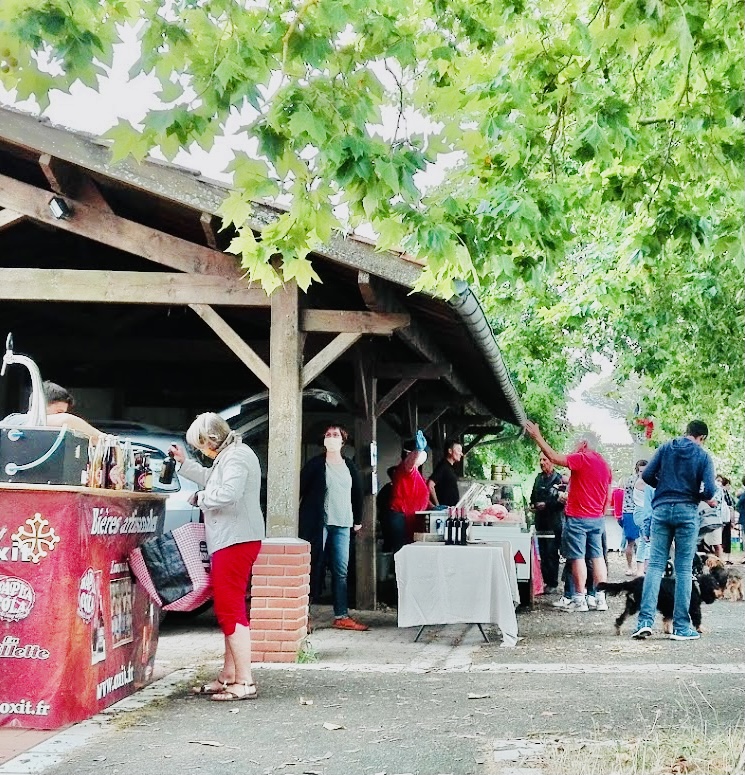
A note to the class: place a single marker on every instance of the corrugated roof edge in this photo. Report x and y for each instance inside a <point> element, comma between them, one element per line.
<point>467,306</point>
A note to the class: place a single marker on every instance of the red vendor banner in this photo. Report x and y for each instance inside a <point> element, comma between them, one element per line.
<point>77,633</point>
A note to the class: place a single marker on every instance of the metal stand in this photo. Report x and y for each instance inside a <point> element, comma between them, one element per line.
<point>421,630</point>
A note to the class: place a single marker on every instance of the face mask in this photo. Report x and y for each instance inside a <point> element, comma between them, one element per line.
<point>333,443</point>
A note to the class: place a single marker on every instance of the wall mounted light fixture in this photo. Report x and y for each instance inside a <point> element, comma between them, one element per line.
<point>60,209</point>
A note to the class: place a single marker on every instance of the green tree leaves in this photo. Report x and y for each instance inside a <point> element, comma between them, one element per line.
<point>595,152</point>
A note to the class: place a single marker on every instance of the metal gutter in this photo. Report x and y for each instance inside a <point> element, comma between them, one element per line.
<point>469,310</point>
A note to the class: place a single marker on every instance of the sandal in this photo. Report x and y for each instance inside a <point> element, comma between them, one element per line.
<point>230,695</point>
<point>209,689</point>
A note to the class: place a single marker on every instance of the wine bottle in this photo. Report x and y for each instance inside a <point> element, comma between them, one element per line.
<point>167,469</point>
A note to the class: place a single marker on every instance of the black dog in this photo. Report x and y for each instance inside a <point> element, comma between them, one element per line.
<point>705,589</point>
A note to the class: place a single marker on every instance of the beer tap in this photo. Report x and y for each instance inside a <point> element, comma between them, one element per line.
<point>37,412</point>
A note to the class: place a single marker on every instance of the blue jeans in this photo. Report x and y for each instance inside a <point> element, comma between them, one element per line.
<point>679,522</point>
<point>336,545</point>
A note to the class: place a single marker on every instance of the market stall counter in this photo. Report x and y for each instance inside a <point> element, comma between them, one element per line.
<point>494,512</point>
<point>76,633</point>
<point>439,584</point>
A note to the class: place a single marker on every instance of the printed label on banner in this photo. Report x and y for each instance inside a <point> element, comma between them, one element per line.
<point>87,596</point>
<point>121,611</point>
<point>25,708</point>
<point>16,599</point>
<point>119,568</point>
<point>124,677</point>
<point>10,648</point>
<point>107,523</point>
<point>98,631</point>
<point>31,542</point>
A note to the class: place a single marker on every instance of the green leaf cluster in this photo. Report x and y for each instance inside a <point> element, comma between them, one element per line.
<point>595,154</point>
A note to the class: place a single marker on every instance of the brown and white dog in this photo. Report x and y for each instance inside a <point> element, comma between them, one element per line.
<point>734,583</point>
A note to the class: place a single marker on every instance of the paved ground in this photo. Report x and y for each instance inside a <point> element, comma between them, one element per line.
<point>377,703</point>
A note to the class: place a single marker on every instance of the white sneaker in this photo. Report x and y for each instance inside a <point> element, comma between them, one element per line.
<point>592,602</point>
<point>562,602</point>
<point>601,604</point>
<point>577,606</point>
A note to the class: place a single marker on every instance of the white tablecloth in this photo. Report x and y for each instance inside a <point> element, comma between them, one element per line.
<point>440,584</point>
<point>509,560</point>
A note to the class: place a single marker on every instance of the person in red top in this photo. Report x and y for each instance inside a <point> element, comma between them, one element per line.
<point>588,498</point>
<point>409,494</point>
<point>617,502</point>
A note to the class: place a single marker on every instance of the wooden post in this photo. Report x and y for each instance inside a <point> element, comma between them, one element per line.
<point>365,435</point>
<point>285,414</point>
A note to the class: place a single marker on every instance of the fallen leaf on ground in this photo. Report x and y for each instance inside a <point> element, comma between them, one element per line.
<point>331,727</point>
<point>213,743</point>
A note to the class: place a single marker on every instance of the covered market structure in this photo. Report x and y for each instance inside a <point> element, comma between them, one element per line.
<point>113,278</point>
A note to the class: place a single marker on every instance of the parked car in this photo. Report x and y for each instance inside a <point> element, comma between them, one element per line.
<point>250,418</point>
<point>156,441</point>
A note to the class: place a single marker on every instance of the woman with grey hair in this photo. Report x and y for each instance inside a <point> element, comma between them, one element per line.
<point>234,527</point>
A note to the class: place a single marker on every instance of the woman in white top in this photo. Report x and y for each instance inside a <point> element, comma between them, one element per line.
<point>234,527</point>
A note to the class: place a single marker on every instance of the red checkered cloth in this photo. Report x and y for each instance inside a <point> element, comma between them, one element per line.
<point>190,540</point>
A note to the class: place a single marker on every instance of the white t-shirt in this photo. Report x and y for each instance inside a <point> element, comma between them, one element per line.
<point>337,504</point>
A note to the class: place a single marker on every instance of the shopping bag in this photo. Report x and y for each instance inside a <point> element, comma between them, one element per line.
<point>172,568</point>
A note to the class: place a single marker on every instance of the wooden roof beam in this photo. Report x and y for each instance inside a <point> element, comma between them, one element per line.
<point>344,321</point>
<point>392,396</point>
<point>95,285</point>
<point>110,229</point>
<point>378,296</point>
<point>320,362</point>
<point>9,218</point>
<point>413,370</point>
<point>210,226</point>
<point>255,363</point>
<point>67,180</point>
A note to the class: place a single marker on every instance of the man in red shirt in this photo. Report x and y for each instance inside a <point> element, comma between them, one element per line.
<point>588,499</point>
<point>409,493</point>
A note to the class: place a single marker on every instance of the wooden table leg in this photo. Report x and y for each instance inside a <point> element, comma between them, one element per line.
<point>481,630</point>
<point>421,630</point>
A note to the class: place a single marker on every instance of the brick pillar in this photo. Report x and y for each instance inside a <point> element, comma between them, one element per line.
<point>280,589</point>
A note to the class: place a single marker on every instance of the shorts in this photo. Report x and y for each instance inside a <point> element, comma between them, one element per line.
<point>231,572</point>
<point>630,528</point>
<point>713,537</point>
<point>642,550</point>
<point>583,538</point>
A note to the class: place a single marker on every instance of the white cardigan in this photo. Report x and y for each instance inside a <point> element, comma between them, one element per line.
<point>230,498</point>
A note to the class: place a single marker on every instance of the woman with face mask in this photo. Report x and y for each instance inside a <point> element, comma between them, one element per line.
<point>330,509</point>
<point>234,528</point>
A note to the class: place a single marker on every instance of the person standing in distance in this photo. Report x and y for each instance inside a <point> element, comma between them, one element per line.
<point>443,483</point>
<point>330,509</point>
<point>682,473</point>
<point>584,525</point>
<point>548,510</point>
<point>60,403</point>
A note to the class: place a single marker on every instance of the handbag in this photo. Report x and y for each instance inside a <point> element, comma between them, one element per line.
<point>173,568</point>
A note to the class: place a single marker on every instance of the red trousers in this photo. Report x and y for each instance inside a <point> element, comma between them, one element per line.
<point>231,571</point>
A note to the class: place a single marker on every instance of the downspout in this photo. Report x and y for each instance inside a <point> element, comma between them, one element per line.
<point>471,313</point>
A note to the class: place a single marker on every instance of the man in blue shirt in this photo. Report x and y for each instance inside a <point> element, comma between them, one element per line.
<point>683,474</point>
